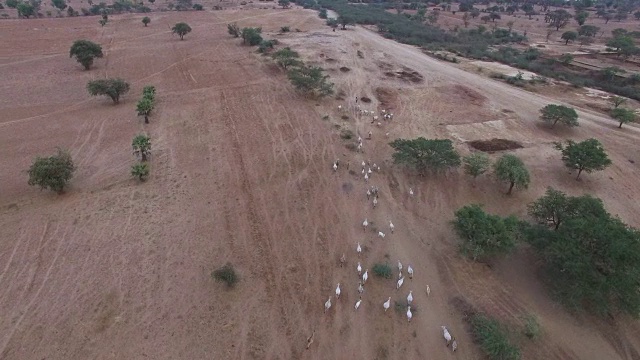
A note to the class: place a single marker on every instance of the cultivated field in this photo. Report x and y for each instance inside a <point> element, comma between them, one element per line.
<point>241,173</point>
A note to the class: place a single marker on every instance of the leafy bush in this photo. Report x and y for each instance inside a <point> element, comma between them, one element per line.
<point>310,80</point>
<point>234,30</point>
<point>493,338</point>
<point>382,270</point>
<point>484,235</point>
<point>226,274</point>
<point>424,155</point>
<point>531,327</point>
<point>140,171</point>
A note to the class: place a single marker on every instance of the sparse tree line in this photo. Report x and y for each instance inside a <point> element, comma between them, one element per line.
<point>56,171</point>
<point>309,80</point>
<point>31,8</point>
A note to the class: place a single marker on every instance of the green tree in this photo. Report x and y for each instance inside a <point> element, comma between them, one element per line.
<point>553,114</point>
<point>113,88</point>
<point>551,209</point>
<point>286,58</point>
<point>144,107</point>
<point>620,42</point>
<point>181,29</point>
<point>146,20</point>
<point>433,16</point>
<point>198,7</point>
<point>559,18</point>
<point>344,21</point>
<point>140,171</point>
<point>475,13</point>
<point>25,10</point>
<point>234,30</point>
<point>617,101</point>
<point>85,51</point>
<point>511,169</point>
<point>592,259</point>
<point>588,30</point>
<point>284,3</point>
<point>476,164</point>
<point>423,155</point>
<point>581,17</point>
<point>141,146</point>
<point>59,4</point>
<point>12,4</point>
<point>624,116</point>
<point>322,14</point>
<point>607,17</point>
<point>53,172</point>
<point>484,235</point>
<point>569,36</point>
<point>494,16</point>
<point>251,36</point>
<point>588,155</point>
<point>310,80</point>
<point>620,15</point>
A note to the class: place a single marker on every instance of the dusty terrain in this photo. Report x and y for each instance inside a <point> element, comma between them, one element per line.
<point>241,173</point>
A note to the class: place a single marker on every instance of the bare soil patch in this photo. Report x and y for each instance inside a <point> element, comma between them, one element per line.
<point>464,94</point>
<point>387,98</point>
<point>494,145</point>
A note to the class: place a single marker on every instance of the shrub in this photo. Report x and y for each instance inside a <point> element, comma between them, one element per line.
<point>531,327</point>
<point>493,338</point>
<point>233,29</point>
<point>322,14</point>
<point>285,29</point>
<point>140,171</point>
<point>146,20</point>
<point>181,29</point>
<point>310,80</point>
<point>251,36</point>
<point>382,270</point>
<point>511,169</point>
<point>198,7</point>
<point>424,155</point>
<point>226,274</point>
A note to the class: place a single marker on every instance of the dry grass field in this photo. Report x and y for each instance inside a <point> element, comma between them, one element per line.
<point>241,173</point>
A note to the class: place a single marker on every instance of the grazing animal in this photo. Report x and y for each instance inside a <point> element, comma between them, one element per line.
<point>391,226</point>
<point>399,283</point>
<point>359,251</point>
<point>454,345</point>
<point>387,304</point>
<point>375,202</point>
<point>366,177</point>
<point>338,291</point>
<point>339,107</point>
<point>409,314</point>
<point>428,290</point>
<point>360,288</point>
<point>358,304</point>
<point>363,164</point>
<point>411,191</point>
<point>399,266</point>
<point>381,234</point>
<point>368,194</point>
<point>369,134</point>
<point>410,297</point>
<point>365,223</point>
<point>335,167</point>
<point>446,334</point>
<point>327,305</point>
<point>359,139</point>
<point>362,171</point>
<point>369,171</point>
<point>360,147</point>
<point>343,259</point>
<point>365,276</point>
<point>359,268</point>
<point>410,271</point>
